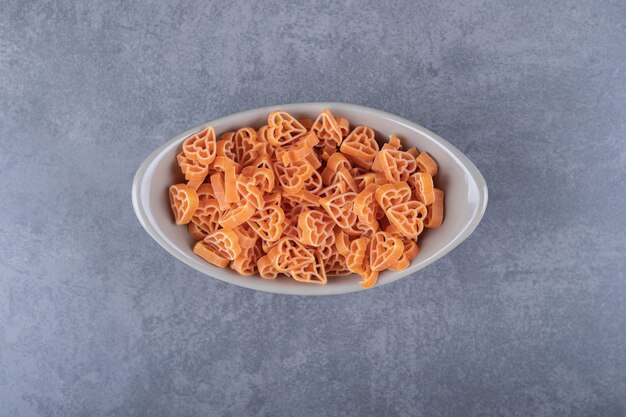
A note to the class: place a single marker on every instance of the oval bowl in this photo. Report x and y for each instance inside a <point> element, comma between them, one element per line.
<point>464,186</point>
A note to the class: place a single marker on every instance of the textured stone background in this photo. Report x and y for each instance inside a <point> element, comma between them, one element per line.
<point>526,318</point>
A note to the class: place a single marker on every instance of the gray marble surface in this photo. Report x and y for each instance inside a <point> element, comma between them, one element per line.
<point>526,318</point>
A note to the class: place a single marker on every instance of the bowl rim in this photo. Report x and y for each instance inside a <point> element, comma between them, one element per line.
<point>304,289</point>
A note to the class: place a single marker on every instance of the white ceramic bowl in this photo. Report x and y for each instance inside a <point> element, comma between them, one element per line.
<point>464,186</point>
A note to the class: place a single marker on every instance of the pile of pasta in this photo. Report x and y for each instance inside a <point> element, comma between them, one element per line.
<point>307,198</point>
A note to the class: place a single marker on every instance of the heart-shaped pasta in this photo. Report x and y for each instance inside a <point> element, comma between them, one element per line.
<point>209,254</point>
<point>266,268</point>
<point>396,165</point>
<point>237,214</point>
<point>283,128</point>
<point>192,170</point>
<point>357,259</point>
<point>344,126</point>
<point>268,222</point>
<point>201,147</point>
<point>206,218</point>
<point>292,177</point>
<point>365,205</point>
<point>341,209</point>
<point>313,184</point>
<point>385,250</point>
<point>246,235</point>
<point>246,262</point>
<point>335,265</point>
<point>314,227</point>
<point>360,147</point>
<point>333,165</point>
<point>342,242</point>
<point>434,218</point>
<point>327,129</point>
<point>247,188</point>
<point>312,272</point>
<point>369,278</point>
<point>423,187</point>
<point>391,194</point>
<point>408,218</point>
<point>184,202</point>
<point>290,255</point>
<point>226,146</point>
<point>425,163</point>
<point>247,147</point>
<point>225,243</point>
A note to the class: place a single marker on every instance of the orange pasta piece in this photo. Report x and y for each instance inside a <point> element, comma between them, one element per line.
<point>397,165</point>
<point>246,187</point>
<point>266,268</point>
<point>200,147</point>
<point>192,170</point>
<point>283,128</point>
<point>268,222</point>
<point>184,202</point>
<point>345,176</point>
<point>434,218</point>
<point>333,190</point>
<point>370,278</point>
<point>335,265</point>
<point>423,186</point>
<point>314,227</point>
<point>326,151</point>
<point>237,214</point>
<point>195,184</point>
<point>391,194</point>
<point>425,163</point>
<point>314,183</point>
<point>217,183</point>
<point>246,263</point>
<point>327,248</point>
<point>327,129</point>
<point>302,198</point>
<point>394,143</point>
<point>385,250</point>
<point>195,231</point>
<point>247,147</point>
<point>334,164</point>
<point>205,219</point>
<point>230,185</point>
<point>344,126</point>
<point>314,160</point>
<point>226,146</point>
<point>246,235</point>
<point>341,209</point>
<point>274,198</point>
<point>360,147</point>
<point>365,205</point>
<point>290,255</point>
<point>313,272</point>
<point>206,252</point>
<point>408,217</point>
<point>223,162</point>
<point>292,177</point>
<point>265,147</point>
<point>342,242</point>
<point>402,263</point>
<point>357,260</point>
<point>413,152</point>
<point>224,243</point>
